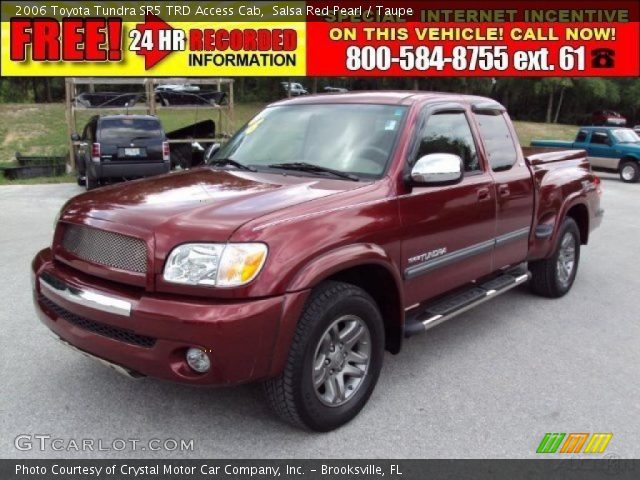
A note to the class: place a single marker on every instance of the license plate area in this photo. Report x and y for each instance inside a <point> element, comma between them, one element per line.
<point>132,152</point>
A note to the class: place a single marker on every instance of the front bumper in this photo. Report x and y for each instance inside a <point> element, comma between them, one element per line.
<point>148,334</point>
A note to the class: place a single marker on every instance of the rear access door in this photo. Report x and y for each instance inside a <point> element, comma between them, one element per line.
<point>600,150</point>
<point>513,185</point>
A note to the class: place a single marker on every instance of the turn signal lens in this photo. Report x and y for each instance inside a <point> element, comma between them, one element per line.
<point>240,263</point>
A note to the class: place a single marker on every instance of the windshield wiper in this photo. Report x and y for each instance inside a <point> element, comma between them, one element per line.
<point>229,161</point>
<point>140,137</point>
<point>310,167</point>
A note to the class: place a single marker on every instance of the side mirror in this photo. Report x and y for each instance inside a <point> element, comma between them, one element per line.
<point>437,169</point>
<point>75,137</point>
<point>211,151</point>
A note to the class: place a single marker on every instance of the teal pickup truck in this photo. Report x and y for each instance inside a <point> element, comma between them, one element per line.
<point>612,149</point>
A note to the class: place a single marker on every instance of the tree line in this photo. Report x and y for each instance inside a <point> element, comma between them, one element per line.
<point>552,100</point>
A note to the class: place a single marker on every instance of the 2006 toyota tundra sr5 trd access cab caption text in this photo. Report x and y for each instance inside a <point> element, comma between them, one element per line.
<point>324,232</point>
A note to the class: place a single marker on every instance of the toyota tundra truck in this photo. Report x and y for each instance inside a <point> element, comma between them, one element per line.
<point>324,232</point>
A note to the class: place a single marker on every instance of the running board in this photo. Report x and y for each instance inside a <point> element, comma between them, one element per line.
<point>448,307</point>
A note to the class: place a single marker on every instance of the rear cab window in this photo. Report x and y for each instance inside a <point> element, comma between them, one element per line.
<point>497,139</point>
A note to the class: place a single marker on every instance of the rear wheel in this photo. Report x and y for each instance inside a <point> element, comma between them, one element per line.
<point>554,276</point>
<point>629,171</point>
<point>334,362</point>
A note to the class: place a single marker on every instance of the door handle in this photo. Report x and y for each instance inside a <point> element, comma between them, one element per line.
<point>483,193</point>
<point>504,191</point>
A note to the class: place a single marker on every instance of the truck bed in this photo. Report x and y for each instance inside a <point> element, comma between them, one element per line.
<point>539,155</point>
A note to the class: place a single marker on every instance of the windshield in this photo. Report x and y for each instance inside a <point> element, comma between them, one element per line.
<point>127,129</point>
<point>355,139</point>
<point>626,135</point>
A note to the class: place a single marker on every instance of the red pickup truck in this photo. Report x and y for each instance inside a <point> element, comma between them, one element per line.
<point>327,230</point>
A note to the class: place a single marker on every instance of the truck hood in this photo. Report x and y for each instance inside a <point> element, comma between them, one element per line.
<point>200,204</point>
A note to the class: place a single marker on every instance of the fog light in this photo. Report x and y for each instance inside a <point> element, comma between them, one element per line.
<point>198,360</point>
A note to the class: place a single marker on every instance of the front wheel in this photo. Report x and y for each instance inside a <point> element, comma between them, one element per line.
<point>554,276</point>
<point>629,171</point>
<point>334,362</point>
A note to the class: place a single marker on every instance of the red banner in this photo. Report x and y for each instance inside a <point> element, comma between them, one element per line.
<point>372,41</point>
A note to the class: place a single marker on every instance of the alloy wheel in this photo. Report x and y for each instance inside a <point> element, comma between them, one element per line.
<point>341,360</point>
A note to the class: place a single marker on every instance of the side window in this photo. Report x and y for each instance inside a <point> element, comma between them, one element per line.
<point>497,139</point>
<point>582,136</point>
<point>600,138</point>
<point>449,132</point>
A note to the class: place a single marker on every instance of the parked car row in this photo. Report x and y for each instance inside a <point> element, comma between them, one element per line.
<point>297,89</point>
<point>132,146</point>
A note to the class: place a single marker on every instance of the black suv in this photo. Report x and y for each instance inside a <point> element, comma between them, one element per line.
<point>121,147</point>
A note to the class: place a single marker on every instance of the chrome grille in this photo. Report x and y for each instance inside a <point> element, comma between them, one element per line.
<point>103,329</point>
<point>106,248</point>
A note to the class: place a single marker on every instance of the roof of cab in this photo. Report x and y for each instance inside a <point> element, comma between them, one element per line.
<point>387,97</point>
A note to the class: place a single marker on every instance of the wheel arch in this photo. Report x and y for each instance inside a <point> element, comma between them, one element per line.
<point>580,214</point>
<point>369,267</point>
<point>629,157</point>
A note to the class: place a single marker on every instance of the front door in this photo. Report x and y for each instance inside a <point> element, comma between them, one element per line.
<point>600,151</point>
<point>447,230</point>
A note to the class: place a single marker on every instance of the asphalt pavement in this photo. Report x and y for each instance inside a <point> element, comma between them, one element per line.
<point>488,384</point>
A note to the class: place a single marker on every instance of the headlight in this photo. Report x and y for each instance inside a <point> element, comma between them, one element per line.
<point>214,264</point>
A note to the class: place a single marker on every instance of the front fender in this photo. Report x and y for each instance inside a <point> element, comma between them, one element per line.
<point>319,269</point>
<point>342,259</point>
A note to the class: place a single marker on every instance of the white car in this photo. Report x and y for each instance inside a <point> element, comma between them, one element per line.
<point>296,89</point>
<point>329,89</point>
<point>184,87</point>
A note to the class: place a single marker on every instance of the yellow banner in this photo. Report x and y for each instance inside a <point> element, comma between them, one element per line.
<point>214,53</point>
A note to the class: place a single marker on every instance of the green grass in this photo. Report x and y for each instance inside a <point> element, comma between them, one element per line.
<point>41,129</point>
<point>39,180</point>
<point>527,131</point>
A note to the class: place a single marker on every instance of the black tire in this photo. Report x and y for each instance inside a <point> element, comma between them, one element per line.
<point>547,277</point>
<point>629,171</point>
<point>292,395</point>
